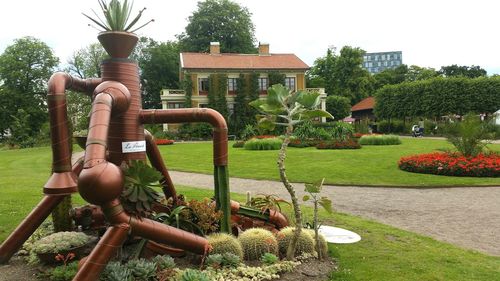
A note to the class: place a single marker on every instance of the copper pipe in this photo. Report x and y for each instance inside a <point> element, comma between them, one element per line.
<point>194,115</point>
<point>28,226</point>
<point>100,181</point>
<point>105,249</point>
<point>155,231</point>
<point>157,162</point>
<point>275,217</point>
<point>62,181</point>
<point>126,127</point>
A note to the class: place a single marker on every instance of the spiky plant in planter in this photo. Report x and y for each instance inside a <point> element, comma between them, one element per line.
<point>225,243</point>
<point>305,244</point>
<point>138,193</point>
<point>116,16</point>
<point>256,242</point>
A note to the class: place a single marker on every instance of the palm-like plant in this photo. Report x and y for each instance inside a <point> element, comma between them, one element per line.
<point>116,16</point>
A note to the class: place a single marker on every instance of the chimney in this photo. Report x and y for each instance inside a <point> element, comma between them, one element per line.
<point>214,48</point>
<point>264,49</point>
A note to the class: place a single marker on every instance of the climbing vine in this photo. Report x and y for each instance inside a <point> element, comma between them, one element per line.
<point>187,86</point>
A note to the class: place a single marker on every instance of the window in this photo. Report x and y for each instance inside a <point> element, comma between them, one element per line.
<point>231,86</point>
<point>203,105</point>
<point>173,105</point>
<point>263,85</point>
<point>203,86</point>
<point>290,83</point>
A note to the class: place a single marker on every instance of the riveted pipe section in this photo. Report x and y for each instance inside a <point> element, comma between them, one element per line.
<point>105,249</point>
<point>184,115</point>
<point>62,181</point>
<point>273,216</point>
<point>153,230</point>
<point>157,162</point>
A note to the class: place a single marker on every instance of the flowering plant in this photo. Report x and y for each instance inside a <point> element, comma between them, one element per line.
<point>164,141</point>
<point>339,144</point>
<point>452,164</point>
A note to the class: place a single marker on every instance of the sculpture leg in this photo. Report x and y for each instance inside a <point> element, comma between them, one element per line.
<point>28,226</point>
<point>157,162</point>
<point>102,253</point>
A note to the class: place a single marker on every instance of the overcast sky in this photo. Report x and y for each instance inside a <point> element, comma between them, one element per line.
<point>430,33</point>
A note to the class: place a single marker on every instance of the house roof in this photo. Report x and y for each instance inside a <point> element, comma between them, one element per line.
<point>242,61</point>
<point>365,104</point>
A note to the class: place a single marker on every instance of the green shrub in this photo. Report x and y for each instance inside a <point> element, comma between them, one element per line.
<point>379,140</point>
<point>249,132</point>
<point>340,130</point>
<point>304,245</point>
<point>391,126</point>
<point>263,144</point>
<point>64,272</point>
<point>469,136</point>
<point>323,245</point>
<point>238,144</point>
<point>256,242</point>
<point>225,243</point>
<point>269,259</point>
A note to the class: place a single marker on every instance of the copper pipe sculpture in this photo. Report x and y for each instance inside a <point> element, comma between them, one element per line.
<point>157,162</point>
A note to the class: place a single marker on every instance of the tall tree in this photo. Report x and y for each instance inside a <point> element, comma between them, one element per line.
<point>463,71</point>
<point>25,67</point>
<point>391,76</point>
<point>159,63</point>
<point>220,21</point>
<point>342,74</point>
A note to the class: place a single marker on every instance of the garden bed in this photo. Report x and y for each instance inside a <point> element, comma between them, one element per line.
<point>452,164</point>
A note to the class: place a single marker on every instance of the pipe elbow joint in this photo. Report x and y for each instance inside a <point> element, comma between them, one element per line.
<point>120,94</point>
<point>101,183</point>
<point>58,82</point>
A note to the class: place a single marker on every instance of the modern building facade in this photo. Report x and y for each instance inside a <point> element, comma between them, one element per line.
<point>377,62</point>
<point>199,67</point>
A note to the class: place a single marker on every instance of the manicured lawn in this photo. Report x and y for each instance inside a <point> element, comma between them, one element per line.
<point>385,253</point>
<point>370,165</point>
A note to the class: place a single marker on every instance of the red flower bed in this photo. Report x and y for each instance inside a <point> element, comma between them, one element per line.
<point>345,144</point>
<point>164,141</point>
<point>452,164</point>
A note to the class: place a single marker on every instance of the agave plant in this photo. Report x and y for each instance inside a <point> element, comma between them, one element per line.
<point>138,194</point>
<point>116,16</point>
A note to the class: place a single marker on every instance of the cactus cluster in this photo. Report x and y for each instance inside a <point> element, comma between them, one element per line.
<point>142,270</point>
<point>323,245</point>
<point>194,275</point>
<point>164,262</point>
<point>256,242</point>
<point>115,271</point>
<point>225,243</point>
<point>305,243</point>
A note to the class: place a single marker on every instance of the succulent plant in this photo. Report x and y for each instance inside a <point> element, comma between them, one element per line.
<point>225,243</point>
<point>305,244</point>
<point>116,16</point>
<point>138,194</point>
<point>194,275</point>
<point>323,245</point>
<point>115,271</point>
<point>60,242</point>
<point>214,261</point>
<point>269,259</point>
<point>230,260</point>
<point>142,270</point>
<point>164,262</point>
<point>256,242</point>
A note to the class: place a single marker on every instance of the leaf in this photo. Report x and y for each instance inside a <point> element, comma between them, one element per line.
<point>309,100</point>
<point>276,95</point>
<point>266,122</point>
<point>326,203</point>
<point>306,198</point>
<point>309,114</point>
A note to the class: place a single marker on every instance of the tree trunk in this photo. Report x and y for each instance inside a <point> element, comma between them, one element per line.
<point>295,202</point>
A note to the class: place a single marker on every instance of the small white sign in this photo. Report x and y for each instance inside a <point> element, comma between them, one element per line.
<point>338,235</point>
<point>133,146</point>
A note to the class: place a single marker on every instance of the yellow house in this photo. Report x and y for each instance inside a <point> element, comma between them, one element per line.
<point>199,66</point>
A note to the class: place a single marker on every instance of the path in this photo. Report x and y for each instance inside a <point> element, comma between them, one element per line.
<point>465,216</point>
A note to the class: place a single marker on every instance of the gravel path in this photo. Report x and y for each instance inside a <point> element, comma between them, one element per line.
<point>465,216</point>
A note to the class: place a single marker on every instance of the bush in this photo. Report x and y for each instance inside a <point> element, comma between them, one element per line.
<point>248,132</point>
<point>64,272</point>
<point>452,164</point>
<point>305,244</point>
<point>238,144</point>
<point>338,106</point>
<point>195,131</point>
<point>256,242</point>
<point>379,140</point>
<point>339,130</point>
<point>338,144</point>
<point>391,126</point>
<point>263,144</point>
<point>225,243</point>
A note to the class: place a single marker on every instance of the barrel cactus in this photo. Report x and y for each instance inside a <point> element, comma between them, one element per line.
<point>225,243</point>
<point>256,242</point>
<point>305,244</point>
<point>323,245</point>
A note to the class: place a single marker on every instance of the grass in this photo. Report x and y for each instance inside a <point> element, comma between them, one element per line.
<point>370,165</point>
<point>384,253</point>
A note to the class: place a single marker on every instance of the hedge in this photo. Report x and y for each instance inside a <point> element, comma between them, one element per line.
<point>438,97</point>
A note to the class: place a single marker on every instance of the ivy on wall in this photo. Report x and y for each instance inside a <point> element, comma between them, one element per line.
<point>187,86</point>
<point>276,78</point>
<point>217,90</point>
